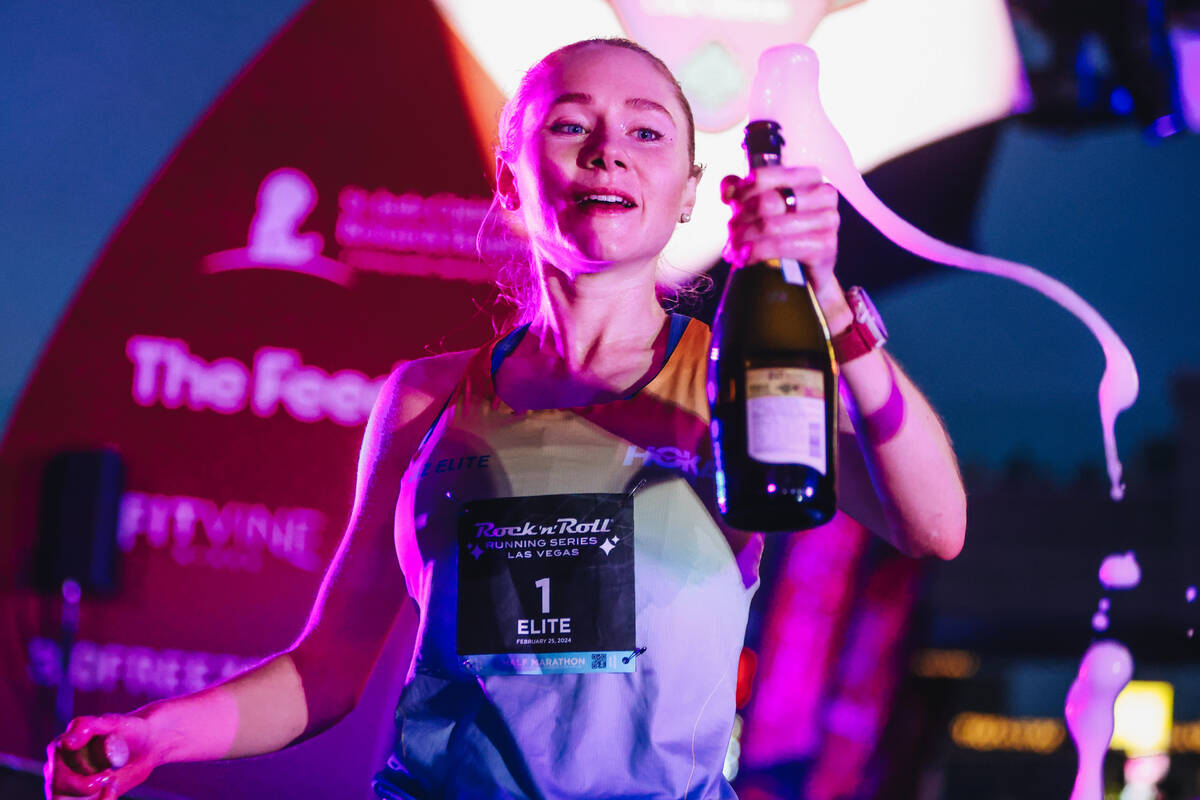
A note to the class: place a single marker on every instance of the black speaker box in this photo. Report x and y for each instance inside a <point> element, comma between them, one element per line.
<point>77,520</point>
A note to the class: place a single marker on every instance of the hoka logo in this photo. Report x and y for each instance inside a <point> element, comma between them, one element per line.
<point>669,457</point>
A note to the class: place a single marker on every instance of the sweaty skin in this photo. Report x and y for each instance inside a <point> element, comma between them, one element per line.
<point>785,90</point>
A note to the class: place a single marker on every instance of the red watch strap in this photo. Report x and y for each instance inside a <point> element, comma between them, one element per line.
<point>852,343</point>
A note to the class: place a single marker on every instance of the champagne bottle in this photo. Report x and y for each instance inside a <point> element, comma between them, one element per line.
<point>772,388</point>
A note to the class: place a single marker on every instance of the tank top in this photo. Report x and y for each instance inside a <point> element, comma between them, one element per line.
<point>661,727</point>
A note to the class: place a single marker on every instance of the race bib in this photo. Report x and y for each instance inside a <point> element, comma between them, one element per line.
<point>545,585</point>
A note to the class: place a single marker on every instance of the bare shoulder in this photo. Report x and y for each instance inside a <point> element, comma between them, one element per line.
<point>429,378</point>
<point>417,389</point>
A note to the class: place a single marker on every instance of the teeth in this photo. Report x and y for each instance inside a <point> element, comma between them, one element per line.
<point>606,198</point>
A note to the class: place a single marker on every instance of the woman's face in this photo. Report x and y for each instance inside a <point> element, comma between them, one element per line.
<point>603,171</point>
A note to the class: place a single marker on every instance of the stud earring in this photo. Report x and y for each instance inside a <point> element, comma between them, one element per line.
<point>685,217</point>
<point>509,203</point>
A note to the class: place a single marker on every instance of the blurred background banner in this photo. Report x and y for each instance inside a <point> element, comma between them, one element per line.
<point>281,203</point>
<point>316,227</point>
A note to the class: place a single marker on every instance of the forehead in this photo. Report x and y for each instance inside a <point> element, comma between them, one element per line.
<point>605,71</point>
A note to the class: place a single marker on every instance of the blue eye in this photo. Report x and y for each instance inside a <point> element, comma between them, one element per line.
<point>647,135</point>
<point>568,127</point>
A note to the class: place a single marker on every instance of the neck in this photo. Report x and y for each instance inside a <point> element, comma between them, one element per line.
<point>590,314</point>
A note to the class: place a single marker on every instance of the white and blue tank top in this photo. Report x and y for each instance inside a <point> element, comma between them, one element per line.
<point>582,610</point>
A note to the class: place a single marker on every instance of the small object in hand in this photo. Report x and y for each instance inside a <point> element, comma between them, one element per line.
<point>116,750</point>
<point>105,752</point>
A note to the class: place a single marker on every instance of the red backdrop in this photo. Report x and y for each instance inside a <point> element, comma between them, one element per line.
<point>228,343</point>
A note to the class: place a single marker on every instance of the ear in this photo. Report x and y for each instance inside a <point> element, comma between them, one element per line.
<point>506,185</point>
<point>689,192</point>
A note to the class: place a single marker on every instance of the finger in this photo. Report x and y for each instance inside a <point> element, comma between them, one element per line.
<point>62,780</point>
<point>82,729</point>
<point>764,179</point>
<point>78,731</point>
<point>822,199</point>
<point>771,202</point>
<point>820,251</point>
<point>70,783</point>
<point>782,175</point>
<point>729,185</point>
<point>797,226</point>
<point>60,758</point>
<point>746,224</point>
<point>86,761</point>
<point>103,785</point>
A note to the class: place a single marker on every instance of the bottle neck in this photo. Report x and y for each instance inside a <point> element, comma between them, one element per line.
<point>766,159</point>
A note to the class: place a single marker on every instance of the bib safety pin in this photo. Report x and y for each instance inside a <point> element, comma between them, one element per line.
<point>633,655</point>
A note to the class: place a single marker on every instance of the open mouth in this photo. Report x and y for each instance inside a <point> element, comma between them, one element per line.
<point>604,200</point>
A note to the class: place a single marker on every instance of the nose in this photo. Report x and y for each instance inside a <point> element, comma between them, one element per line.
<point>601,151</point>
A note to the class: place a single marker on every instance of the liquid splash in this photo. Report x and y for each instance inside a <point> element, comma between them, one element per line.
<point>1190,595</point>
<point>1100,618</point>
<point>1120,571</point>
<point>1105,669</point>
<point>785,90</point>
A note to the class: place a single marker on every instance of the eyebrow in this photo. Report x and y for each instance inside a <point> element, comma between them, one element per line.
<point>634,102</point>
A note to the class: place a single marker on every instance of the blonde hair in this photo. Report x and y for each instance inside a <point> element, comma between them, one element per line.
<point>517,275</point>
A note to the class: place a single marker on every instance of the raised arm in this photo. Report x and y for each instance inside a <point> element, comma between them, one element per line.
<point>898,474</point>
<point>314,683</point>
<point>897,471</point>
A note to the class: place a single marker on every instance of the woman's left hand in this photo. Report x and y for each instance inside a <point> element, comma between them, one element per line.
<point>764,227</point>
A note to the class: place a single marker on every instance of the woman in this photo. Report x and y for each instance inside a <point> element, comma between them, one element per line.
<point>591,417</point>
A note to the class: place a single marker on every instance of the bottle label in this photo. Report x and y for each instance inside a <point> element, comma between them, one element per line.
<point>785,416</point>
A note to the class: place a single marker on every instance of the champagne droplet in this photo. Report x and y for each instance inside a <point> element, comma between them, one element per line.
<point>1120,571</point>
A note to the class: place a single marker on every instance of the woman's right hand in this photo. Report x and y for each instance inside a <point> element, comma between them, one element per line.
<point>86,760</point>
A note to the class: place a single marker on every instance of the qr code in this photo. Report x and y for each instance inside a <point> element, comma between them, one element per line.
<point>599,660</point>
